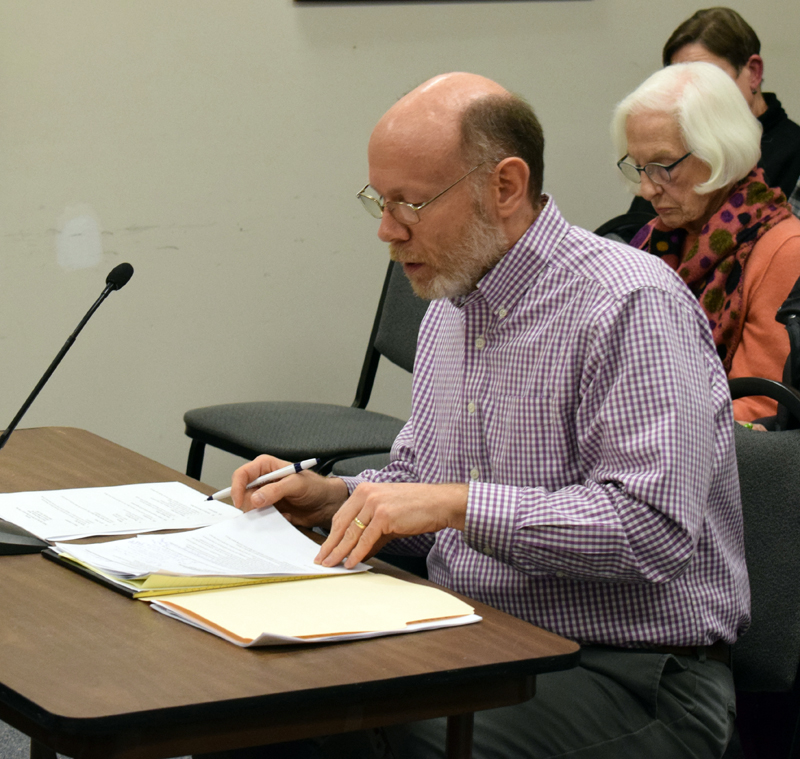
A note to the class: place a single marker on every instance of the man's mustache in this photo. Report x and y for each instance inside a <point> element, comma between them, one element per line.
<point>396,253</point>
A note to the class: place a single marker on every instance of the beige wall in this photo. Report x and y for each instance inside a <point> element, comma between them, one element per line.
<point>217,145</point>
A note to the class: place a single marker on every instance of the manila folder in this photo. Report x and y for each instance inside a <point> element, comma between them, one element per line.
<point>311,611</point>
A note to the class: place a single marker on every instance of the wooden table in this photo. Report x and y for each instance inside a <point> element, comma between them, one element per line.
<point>94,675</point>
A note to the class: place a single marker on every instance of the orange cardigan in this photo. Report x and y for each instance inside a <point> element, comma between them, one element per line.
<point>770,273</point>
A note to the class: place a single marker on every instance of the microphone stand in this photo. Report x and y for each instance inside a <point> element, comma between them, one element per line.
<point>110,287</point>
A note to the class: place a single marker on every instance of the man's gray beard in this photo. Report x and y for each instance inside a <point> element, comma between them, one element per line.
<point>463,265</point>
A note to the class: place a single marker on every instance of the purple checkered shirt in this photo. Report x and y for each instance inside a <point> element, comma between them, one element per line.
<point>579,393</point>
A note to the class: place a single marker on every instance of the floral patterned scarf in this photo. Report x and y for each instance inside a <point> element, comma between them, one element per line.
<point>714,266</point>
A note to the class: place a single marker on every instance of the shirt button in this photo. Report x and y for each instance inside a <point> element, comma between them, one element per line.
<point>487,551</point>
<point>502,313</point>
<point>560,575</point>
<point>480,342</point>
<point>471,407</point>
<point>474,473</point>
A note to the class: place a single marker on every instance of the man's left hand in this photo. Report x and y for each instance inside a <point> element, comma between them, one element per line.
<point>379,512</point>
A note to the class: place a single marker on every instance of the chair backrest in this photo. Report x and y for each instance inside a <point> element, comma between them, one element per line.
<point>399,317</point>
<point>623,228</point>
<point>766,658</point>
<point>394,332</point>
<point>788,416</point>
<point>789,314</point>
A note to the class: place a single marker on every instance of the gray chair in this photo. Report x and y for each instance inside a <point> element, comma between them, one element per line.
<point>302,430</point>
<point>356,465</point>
<point>766,658</point>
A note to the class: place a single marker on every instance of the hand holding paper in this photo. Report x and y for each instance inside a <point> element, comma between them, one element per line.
<point>379,512</point>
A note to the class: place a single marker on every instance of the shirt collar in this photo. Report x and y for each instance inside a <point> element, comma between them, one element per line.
<point>503,285</point>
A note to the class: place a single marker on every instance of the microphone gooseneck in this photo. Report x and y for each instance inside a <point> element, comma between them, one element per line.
<point>117,278</point>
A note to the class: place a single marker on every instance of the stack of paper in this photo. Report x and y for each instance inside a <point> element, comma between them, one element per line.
<point>259,551</point>
<point>254,547</point>
<point>119,510</point>
<point>315,611</point>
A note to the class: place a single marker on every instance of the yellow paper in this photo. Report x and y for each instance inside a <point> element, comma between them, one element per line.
<point>160,585</point>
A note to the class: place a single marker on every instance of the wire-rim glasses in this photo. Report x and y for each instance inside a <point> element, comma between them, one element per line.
<point>406,213</point>
<point>656,172</point>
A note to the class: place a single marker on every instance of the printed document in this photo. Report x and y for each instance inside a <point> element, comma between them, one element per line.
<point>119,510</point>
<point>259,543</point>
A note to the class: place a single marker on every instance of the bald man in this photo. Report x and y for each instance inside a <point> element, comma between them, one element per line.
<point>569,458</point>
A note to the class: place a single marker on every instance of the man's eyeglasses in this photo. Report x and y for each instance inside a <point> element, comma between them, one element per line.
<point>405,213</point>
<point>656,172</point>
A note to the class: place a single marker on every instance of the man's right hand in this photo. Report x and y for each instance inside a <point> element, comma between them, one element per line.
<point>305,499</point>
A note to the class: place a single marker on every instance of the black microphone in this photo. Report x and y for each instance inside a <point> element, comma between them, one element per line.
<point>118,277</point>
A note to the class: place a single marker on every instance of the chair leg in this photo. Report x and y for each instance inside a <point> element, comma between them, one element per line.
<point>194,464</point>
<point>40,751</point>
<point>794,749</point>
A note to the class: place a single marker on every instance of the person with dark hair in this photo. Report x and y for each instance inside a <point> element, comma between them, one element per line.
<point>722,37</point>
<point>569,457</point>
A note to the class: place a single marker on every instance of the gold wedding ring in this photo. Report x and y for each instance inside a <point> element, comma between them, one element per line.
<point>360,524</point>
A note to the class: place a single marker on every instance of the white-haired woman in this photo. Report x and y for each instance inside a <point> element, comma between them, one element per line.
<point>690,145</point>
